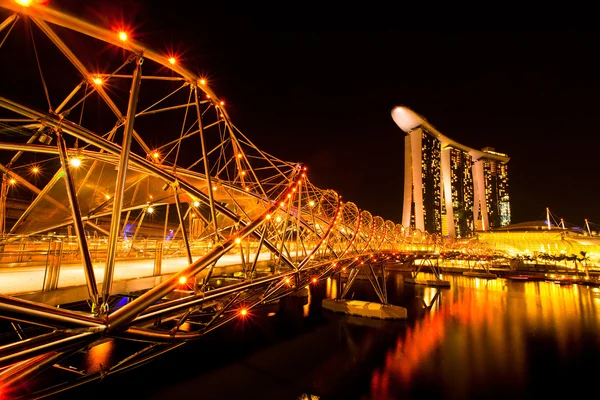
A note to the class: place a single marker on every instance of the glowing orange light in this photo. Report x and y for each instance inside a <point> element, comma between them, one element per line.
<point>24,3</point>
<point>287,280</point>
<point>314,280</point>
<point>222,103</point>
<point>247,189</point>
<point>282,204</point>
<point>12,181</point>
<point>107,196</point>
<point>172,60</point>
<point>239,156</point>
<point>208,96</point>
<point>123,36</point>
<point>182,280</point>
<point>75,162</point>
<point>243,312</point>
<point>238,240</point>
<point>97,80</point>
<point>35,170</point>
<point>243,173</point>
<point>214,188</point>
<point>289,195</point>
<point>196,204</point>
<point>344,269</point>
<point>268,216</point>
<point>155,155</point>
<point>203,82</point>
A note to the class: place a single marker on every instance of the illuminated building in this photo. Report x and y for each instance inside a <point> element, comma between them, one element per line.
<point>449,188</point>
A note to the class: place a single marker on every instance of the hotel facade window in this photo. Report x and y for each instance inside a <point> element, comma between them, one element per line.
<point>450,189</point>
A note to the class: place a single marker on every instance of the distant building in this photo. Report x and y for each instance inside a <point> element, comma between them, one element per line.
<point>449,188</point>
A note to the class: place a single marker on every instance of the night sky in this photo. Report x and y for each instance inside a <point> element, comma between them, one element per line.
<point>324,98</point>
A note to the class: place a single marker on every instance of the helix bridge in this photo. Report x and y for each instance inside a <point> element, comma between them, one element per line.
<point>115,156</point>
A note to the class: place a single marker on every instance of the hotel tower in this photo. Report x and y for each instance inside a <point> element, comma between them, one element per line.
<point>450,189</point>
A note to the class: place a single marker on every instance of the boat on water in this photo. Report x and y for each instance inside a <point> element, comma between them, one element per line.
<point>526,277</point>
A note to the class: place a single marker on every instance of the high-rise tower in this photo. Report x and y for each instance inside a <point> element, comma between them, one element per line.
<point>449,188</point>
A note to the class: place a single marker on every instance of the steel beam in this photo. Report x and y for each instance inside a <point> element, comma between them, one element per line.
<point>120,185</point>
<point>88,267</point>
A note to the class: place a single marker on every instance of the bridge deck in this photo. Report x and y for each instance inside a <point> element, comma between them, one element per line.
<point>130,275</point>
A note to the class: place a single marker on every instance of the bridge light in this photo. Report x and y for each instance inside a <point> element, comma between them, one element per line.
<point>150,210</point>
<point>243,173</point>
<point>278,219</point>
<point>311,203</point>
<point>35,170</point>
<point>75,162</point>
<point>243,312</point>
<point>155,155</point>
<point>247,189</point>
<point>287,280</point>
<point>282,204</point>
<point>314,280</point>
<point>214,188</point>
<point>203,82</point>
<point>97,81</point>
<point>196,204</point>
<point>107,196</point>
<point>268,216</point>
<point>182,280</point>
<point>239,155</point>
<point>172,60</point>
<point>123,36</point>
<point>12,181</point>
<point>238,240</point>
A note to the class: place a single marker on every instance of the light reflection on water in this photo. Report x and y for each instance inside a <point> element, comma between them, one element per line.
<point>477,339</point>
<point>479,335</point>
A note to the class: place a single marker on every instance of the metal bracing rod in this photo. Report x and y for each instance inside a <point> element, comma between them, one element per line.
<point>383,283</point>
<point>174,306</point>
<point>284,230</point>
<point>137,229</point>
<point>23,349</point>
<point>182,226</point>
<point>30,312</point>
<point>19,330</point>
<point>353,275</point>
<point>32,188</point>
<point>83,71</point>
<point>9,20</point>
<point>96,227</point>
<point>222,310</point>
<point>211,199</point>
<point>120,184</point>
<point>35,148</point>
<point>88,267</point>
<point>25,368</point>
<point>375,283</point>
<point>135,190</point>
<point>136,160</point>
<point>3,195</point>
<point>166,224</point>
<point>260,243</point>
<point>128,312</point>
<point>145,77</point>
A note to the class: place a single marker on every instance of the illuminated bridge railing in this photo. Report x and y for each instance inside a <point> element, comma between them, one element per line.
<point>111,151</point>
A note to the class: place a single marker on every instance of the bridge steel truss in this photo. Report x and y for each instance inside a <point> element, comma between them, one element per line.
<point>148,143</point>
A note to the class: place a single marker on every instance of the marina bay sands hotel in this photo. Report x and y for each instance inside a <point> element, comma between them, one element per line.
<point>449,188</point>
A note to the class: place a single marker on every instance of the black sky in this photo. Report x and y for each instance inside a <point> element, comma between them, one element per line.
<point>324,98</point>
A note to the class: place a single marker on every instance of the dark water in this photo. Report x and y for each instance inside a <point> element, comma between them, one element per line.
<point>479,339</point>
